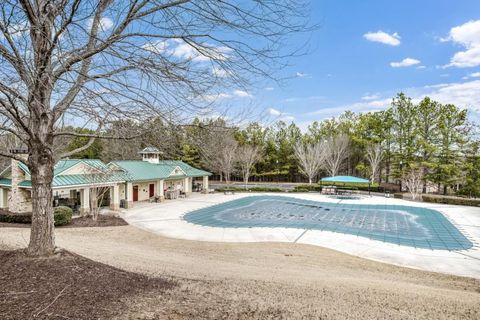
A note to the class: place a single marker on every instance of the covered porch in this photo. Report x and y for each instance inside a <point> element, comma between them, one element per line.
<point>161,189</point>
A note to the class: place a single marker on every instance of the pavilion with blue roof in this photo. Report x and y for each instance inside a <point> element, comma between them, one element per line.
<point>345,179</point>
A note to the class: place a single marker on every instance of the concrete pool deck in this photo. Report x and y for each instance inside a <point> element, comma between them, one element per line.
<point>166,219</point>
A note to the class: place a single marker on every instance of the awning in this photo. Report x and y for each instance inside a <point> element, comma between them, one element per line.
<point>345,179</point>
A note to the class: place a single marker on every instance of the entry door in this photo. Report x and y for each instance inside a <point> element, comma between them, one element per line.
<point>151,191</point>
<point>135,193</point>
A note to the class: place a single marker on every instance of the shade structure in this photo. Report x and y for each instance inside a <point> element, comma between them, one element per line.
<point>345,179</point>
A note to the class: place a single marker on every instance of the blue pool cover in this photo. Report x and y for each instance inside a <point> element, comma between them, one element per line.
<point>402,225</point>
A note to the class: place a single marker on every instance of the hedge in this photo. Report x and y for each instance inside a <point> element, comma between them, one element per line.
<point>61,216</point>
<point>10,217</point>
<point>307,188</point>
<point>253,189</point>
<point>451,200</point>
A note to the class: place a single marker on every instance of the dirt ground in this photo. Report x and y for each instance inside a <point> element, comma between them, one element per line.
<point>67,286</point>
<point>263,280</point>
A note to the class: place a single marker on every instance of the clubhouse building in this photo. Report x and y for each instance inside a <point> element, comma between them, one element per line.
<point>128,182</point>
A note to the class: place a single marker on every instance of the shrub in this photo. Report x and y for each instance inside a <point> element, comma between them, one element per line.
<point>398,195</point>
<point>307,188</point>
<point>62,215</point>
<point>451,200</point>
<point>10,217</point>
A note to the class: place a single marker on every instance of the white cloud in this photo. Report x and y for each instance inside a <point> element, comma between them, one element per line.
<point>463,95</point>
<point>383,37</point>
<point>404,63</point>
<point>287,118</point>
<point>369,106</point>
<point>280,116</point>
<point>421,67</point>
<point>370,97</point>
<point>241,93</point>
<point>104,25</point>
<point>274,112</point>
<point>215,97</point>
<point>16,30</point>
<point>468,36</point>
<point>184,51</point>
<point>301,75</point>
<point>224,95</point>
<point>472,75</point>
<point>269,88</point>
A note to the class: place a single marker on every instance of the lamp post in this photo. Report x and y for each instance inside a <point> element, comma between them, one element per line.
<point>278,171</point>
<point>401,174</point>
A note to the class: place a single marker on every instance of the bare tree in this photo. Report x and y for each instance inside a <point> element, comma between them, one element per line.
<point>7,142</point>
<point>337,150</point>
<point>219,151</point>
<point>247,156</point>
<point>413,181</point>
<point>374,157</point>
<point>311,158</point>
<point>98,178</point>
<point>91,62</point>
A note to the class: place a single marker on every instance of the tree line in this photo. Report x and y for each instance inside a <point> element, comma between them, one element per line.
<point>428,142</point>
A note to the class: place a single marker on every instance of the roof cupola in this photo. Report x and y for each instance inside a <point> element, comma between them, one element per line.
<point>150,154</point>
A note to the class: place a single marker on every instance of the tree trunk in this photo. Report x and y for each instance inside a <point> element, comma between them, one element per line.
<point>42,235</point>
<point>309,180</point>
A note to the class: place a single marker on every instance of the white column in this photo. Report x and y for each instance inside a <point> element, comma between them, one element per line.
<point>85,201</point>
<point>205,184</point>
<point>3,198</point>
<point>129,193</point>
<point>160,188</point>
<point>115,197</point>
<point>186,185</point>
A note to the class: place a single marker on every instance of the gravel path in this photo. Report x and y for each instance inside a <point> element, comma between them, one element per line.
<point>267,279</point>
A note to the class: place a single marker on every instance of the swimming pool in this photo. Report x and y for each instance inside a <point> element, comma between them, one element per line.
<point>402,225</point>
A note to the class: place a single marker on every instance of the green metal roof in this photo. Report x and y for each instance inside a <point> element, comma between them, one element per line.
<point>80,179</point>
<point>64,165</point>
<point>20,165</point>
<point>24,167</point>
<point>131,170</point>
<point>138,170</point>
<point>150,150</point>
<point>72,180</point>
<point>188,169</point>
<point>6,182</point>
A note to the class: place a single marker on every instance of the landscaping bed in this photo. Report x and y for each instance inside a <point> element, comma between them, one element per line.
<point>451,200</point>
<point>23,221</point>
<point>68,286</point>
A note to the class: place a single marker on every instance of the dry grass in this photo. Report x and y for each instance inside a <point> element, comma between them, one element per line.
<point>267,280</point>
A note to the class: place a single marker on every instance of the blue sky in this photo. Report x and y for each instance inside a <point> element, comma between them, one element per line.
<point>366,51</point>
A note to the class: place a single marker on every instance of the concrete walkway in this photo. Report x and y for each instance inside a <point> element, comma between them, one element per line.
<point>166,219</point>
